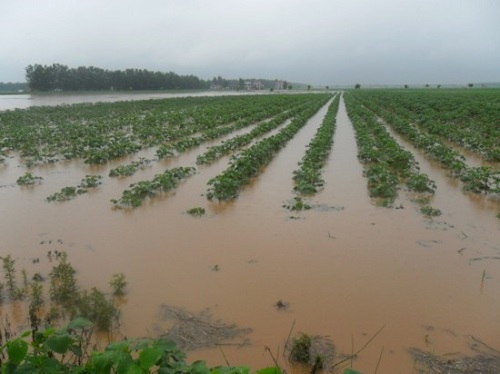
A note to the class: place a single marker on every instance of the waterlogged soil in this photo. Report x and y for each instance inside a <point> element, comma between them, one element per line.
<point>343,273</point>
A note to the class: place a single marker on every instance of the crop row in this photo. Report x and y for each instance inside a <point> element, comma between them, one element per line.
<point>468,118</point>
<point>100,132</point>
<point>237,142</point>
<point>386,164</point>
<point>308,177</point>
<point>160,183</point>
<point>476,179</point>
<point>250,162</point>
<point>210,133</point>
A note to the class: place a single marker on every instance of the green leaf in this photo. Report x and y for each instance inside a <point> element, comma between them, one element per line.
<point>101,363</point>
<point>50,365</point>
<point>351,371</point>
<point>270,370</point>
<point>134,369</point>
<point>199,367</point>
<point>17,350</point>
<point>149,357</point>
<point>59,343</point>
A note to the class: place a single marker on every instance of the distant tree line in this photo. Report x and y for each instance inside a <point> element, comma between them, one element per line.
<point>13,87</point>
<point>60,77</point>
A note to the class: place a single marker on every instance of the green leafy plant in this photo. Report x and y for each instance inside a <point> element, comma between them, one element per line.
<point>66,350</point>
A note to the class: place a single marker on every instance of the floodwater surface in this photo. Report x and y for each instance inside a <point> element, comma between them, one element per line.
<point>346,269</point>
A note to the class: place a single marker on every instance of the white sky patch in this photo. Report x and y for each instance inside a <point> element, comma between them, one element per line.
<point>319,42</point>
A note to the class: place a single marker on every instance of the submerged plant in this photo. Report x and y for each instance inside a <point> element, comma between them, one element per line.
<point>118,284</point>
<point>198,211</point>
<point>130,169</point>
<point>69,193</point>
<point>8,264</point>
<point>28,179</point>
<point>63,285</point>
<point>429,211</point>
<point>297,204</point>
<point>96,307</point>
<point>164,182</point>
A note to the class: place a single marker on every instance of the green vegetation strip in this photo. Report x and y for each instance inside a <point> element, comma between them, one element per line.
<point>233,144</point>
<point>249,162</point>
<point>69,193</point>
<point>386,164</point>
<point>97,133</point>
<point>130,169</point>
<point>161,183</point>
<point>483,179</point>
<point>308,177</point>
<point>468,118</point>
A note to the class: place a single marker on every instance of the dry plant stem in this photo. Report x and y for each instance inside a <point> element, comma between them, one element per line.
<point>224,356</point>
<point>272,356</point>
<point>379,359</point>
<point>289,335</point>
<point>359,350</point>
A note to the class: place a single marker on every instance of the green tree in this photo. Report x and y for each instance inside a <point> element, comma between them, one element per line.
<point>357,86</point>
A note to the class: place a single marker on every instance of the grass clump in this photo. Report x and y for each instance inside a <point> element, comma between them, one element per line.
<point>300,350</point>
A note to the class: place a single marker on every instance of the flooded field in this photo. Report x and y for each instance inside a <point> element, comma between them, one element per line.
<point>345,269</point>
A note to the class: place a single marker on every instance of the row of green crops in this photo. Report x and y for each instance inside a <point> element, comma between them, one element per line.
<point>97,133</point>
<point>386,164</point>
<point>161,183</point>
<point>69,193</point>
<point>476,179</point>
<point>129,169</point>
<point>468,118</point>
<point>169,149</point>
<point>237,142</point>
<point>250,162</point>
<point>308,177</point>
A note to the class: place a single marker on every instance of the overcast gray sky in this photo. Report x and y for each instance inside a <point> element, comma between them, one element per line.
<point>319,42</point>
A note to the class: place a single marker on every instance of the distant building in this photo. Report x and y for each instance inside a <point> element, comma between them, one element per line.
<point>279,85</point>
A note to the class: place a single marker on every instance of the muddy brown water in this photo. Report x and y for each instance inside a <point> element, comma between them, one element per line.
<point>345,272</point>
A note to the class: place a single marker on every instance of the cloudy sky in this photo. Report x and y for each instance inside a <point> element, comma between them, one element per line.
<point>319,42</point>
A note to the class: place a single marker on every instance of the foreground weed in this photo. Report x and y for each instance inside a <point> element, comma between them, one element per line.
<point>300,350</point>
<point>63,284</point>
<point>8,264</point>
